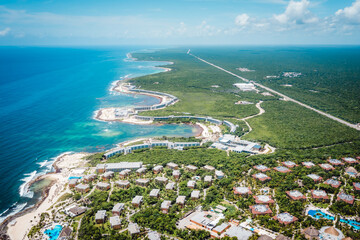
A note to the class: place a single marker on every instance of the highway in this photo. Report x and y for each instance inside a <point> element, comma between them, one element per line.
<point>354,126</point>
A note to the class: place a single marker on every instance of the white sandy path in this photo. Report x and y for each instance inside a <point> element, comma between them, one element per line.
<point>23,223</point>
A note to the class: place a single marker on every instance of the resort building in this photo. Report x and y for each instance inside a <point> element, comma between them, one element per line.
<point>285,218</point>
<point>161,180</point>
<point>261,176</point>
<point>140,171</point>
<point>238,232</point>
<point>73,182</point>
<point>351,172</point>
<point>83,188</point>
<point>152,235</point>
<point>356,186</point>
<point>330,233</point>
<point>326,166</point>
<point>264,237</point>
<point>295,195</point>
<point>118,208</point>
<point>195,194</point>
<point>282,237</point>
<point>65,233</point>
<point>345,198</point>
<point>180,200</point>
<point>333,182</point>
<point>191,184</point>
<point>176,174</point>
<point>262,168</point>
<point>242,191</point>
<point>311,233</point>
<point>89,178</point>
<point>263,199</point>
<point>100,216</point>
<point>209,168</point>
<point>315,177</point>
<point>115,222</point>
<point>124,173</point>
<point>289,164</point>
<point>137,200</point>
<point>103,186</point>
<point>219,174</point>
<point>260,209</point>
<point>350,160</point>
<point>207,220</point>
<point>124,184</point>
<point>158,169</point>
<point>245,87</point>
<point>118,167</point>
<point>221,228</point>
<point>154,193</point>
<point>172,165</point>
<point>335,162</point>
<point>170,186</point>
<point>75,211</point>
<point>282,169</point>
<point>208,179</point>
<point>191,168</point>
<point>308,164</point>
<point>165,205</point>
<point>133,229</point>
<point>319,195</point>
<point>108,175</point>
<point>142,182</point>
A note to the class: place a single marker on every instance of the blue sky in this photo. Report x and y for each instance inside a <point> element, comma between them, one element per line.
<point>179,22</point>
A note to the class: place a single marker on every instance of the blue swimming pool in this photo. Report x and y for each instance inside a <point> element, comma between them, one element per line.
<point>75,178</point>
<point>319,214</point>
<point>54,233</point>
<point>354,224</point>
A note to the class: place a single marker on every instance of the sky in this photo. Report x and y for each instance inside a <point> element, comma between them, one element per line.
<point>179,22</point>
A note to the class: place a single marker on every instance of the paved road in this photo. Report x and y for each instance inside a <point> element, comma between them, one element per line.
<point>282,95</point>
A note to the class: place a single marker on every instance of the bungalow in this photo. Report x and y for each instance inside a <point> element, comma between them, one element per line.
<point>208,179</point>
<point>83,188</point>
<point>289,164</point>
<point>170,186</point>
<point>311,233</point>
<point>326,166</point>
<point>124,184</point>
<point>124,173</point>
<point>335,162</point>
<point>89,178</point>
<point>157,169</point>
<point>262,168</point>
<point>209,168</point>
<point>176,174</point>
<point>137,200</point>
<point>103,186</point>
<point>191,168</point>
<point>308,164</point>
<point>351,172</point>
<point>73,182</point>
<point>315,177</point>
<point>242,191</point>
<point>319,195</point>
<point>285,218</point>
<point>356,186</point>
<point>191,184</point>
<point>133,229</point>
<point>282,169</point>
<point>263,199</point>
<point>118,208</point>
<point>165,205</point>
<point>221,228</point>
<point>219,174</point>
<point>261,176</point>
<point>142,182</point>
<point>181,200</point>
<point>260,209</point>
<point>154,193</point>
<point>100,216</point>
<point>345,198</point>
<point>141,171</point>
<point>195,194</point>
<point>115,222</point>
<point>295,195</point>
<point>333,182</point>
<point>350,160</point>
<point>108,175</point>
<point>172,165</point>
<point>162,180</point>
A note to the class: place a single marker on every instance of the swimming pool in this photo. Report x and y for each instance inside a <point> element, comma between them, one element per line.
<point>319,214</point>
<point>354,224</point>
<point>75,178</point>
<point>54,233</point>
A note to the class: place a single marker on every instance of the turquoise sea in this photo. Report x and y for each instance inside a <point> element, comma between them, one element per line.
<point>48,97</point>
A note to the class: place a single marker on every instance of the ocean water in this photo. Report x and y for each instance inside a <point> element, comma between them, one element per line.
<point>48,97</point>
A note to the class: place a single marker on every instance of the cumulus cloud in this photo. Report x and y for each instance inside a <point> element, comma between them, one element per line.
<point>242,20</point>
<point>296,12</point>
<point>350,14</point>
<point>4,32</point>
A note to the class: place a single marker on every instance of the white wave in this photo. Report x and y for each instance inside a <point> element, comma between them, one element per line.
<point>15,208</point>
<point>24,188</point>
<point>44,163</point>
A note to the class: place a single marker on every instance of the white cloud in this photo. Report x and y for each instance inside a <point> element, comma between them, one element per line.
<point>296,13</point>
<point>4,32</point>
<point>242,20</point>
<point>350,14</point>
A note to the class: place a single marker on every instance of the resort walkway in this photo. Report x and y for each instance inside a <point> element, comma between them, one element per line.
<point>354,126</point>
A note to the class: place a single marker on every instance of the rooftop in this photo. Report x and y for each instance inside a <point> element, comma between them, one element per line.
<point>101,214</point>
<point>285,218</point>
<point>314,176</point>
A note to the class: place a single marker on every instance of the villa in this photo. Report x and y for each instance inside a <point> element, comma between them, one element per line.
<point>208,179</point>
<point>152,235</point>
<point>142,182</point>
<point>326,166</point>
<point>308,164</point>
<point>165,205</point>
<point>154,193</point>
<point>319,195</point>
<point>157,169</point>
<point>335,162</point>
<point>242,191</point>
<point>118,208</point>
<point>195,194</point>
<point>172,165</point>
<point>209,168</point>
<point>260,209</point>
<point>83,188</point>
<point>133,229</point>
<point>191,184</point>
<point>282,169</point>
<point>351,172</point>
<point>191,168</point>
<point>124,173</point>
<point>295,195</point>
<point>161,180</point>
<point>345,198</point>
<point>289,164</point>
<point>124,184</point>
<point>219,174</point>
<point>115,222</point>
<point>176,174</point>
<point>262,168</point>
<point>137,200</point>
<point>180,200</point>
<point>89,178</point>
<point>261,176</point>
<point>100,216</point>
<point>311,233</point>
<point>350,160</point>
<point>285,218</point>
<point>75,211</point>
<point>315,177</point>
<point>333,182</point>
<point>140,171</point>
<point>263,199</point>
<point>170,186</point>
<point>356,186</point>
<point>103,186</point>
<point>73,182</point>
